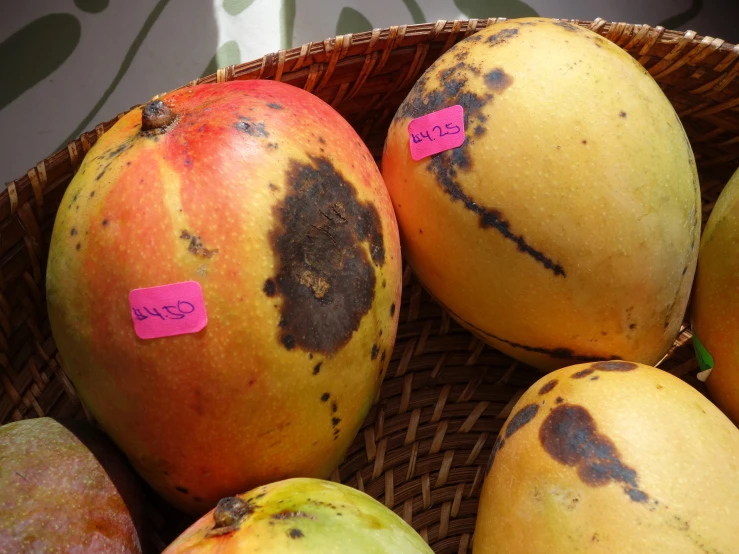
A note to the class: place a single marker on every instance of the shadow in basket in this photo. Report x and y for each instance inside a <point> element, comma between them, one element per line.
<point>424,445</point>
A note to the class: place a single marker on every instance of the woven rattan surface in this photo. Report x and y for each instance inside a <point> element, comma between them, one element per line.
<point>425,443</point>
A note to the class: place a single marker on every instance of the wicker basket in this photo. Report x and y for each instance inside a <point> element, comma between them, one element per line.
<point>425,442</point>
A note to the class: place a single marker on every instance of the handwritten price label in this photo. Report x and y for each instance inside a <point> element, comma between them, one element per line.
<point>168,310</point>
<point>436,132</point>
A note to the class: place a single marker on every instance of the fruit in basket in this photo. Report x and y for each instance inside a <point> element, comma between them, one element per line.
<point>715,304</point>
<point>64,487</point>
<point>611,456</point>
<point>300,515</point>
<point>564,228</point>
<point>223,285</point>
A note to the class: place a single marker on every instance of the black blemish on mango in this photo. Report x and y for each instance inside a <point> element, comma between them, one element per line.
<point>559,400</point>
<point>557,353</point>
<point>296,533</point>
<point>498,80</point>
<point>325,396</point>
<point>502,36</point>
<point>594,378</point>
<point>73,232</point>
<point>547,387</point>
<point>334,407</point>
<point>324,273</point>
<point>582,373</point>
<point>497,445</point>
<point>335,421</point>
<point>195,245</point>
<point>622,114</point>
<point>250,127</point>
<point>288,341</point>
<point>375,351</point>
<point>567,26</point>
<point>183,490</point>
<point>272,187</point>
<point>384,354</point>
<point>479,130</point>
<point>317,368</point>
<point>521,418</point>
<point>614,365</point>
<point>269,287</point>
<point>92,194</point>
<point>274,106</point>
<point>78,246</point>
<point>272,145</point>
<point>392,310</point>
<point>105,222</point>
<point>569,435</point>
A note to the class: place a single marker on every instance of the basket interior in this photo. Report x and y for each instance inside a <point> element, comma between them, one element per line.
<point>425,443</point>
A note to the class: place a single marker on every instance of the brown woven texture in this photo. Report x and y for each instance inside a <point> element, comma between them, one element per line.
<point>425,443</point>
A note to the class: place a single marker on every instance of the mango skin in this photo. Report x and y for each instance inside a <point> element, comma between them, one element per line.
<point>264,195</point>
<point>566,228</point>
<point>611,457</point>
<point>715,303</point>
<point>303,516</point>
<point>65,488</point>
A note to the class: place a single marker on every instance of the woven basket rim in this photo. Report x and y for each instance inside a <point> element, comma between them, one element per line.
<point>333,49</point>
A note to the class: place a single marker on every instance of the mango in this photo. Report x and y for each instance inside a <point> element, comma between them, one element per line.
<point>608,457</point>
<point>64,487</point>
<point>263,215</point>
<point>565,227</point>
<point>715,303</point>
<point>300,515</point>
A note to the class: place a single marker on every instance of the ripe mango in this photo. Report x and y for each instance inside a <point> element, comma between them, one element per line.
<point>611,457</point>
<point>264,197</point>
<point>300,515</point>
<point>715,303</point>
<point>565,227</point>
<point>64,487</point>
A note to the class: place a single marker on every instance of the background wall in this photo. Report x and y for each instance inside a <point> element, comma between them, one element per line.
<point>66,65</point>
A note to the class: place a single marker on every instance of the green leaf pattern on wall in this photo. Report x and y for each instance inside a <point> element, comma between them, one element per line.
<point>352,21</point>
<point>34,52</point>
<point>235,7</point>
<point>482,9</point>
<point>227,54</point>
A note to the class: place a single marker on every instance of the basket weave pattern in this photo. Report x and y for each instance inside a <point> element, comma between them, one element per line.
<point>425,443</point>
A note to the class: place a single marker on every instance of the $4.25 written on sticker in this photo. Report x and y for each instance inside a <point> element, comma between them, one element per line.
<point>168,310</point>
<point>436,132</point>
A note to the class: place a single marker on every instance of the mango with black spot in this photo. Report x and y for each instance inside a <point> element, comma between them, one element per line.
<point>291,247</point>
<point>636,461</point>
<point>565,228</point>
<point>715,304</point>
<point>300,515</point>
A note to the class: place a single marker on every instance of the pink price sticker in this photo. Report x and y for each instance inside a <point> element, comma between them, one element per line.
<point>168,310</point>
<point>436,132</point>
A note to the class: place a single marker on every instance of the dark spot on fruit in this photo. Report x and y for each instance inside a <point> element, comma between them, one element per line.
<point>392,310</point>
<point>105,222</point>
<point>569,435</point>
<point>380,332</point>
<point>272,186</point>
<point>548,386</point>
<point>501,36</point>
<point>479,130</point>
<point>334,407</point>
<point>559,400</point>
<point>188,161</point>
<point>296,533</point>
<point>78,246</point>
<point>521,418</point>
<point>567,26</point>
<point>73,232</point>
<point>251,128</point>
<point>317,368</point>
<point>324,272</point>
<point>375,351</point>
<point>335,421</point>
<point>195,245</point>
<point>384,354</point>
<point>497,445</point>
<point>119,150</point>
<point>288,341</point>
<point>183,490</point>
<point>325,396</point>
<point>272,145</point>
<point>582,373</point>
<point>623,114</point>
<point>269,287</point>
<point>594,378</point>
<point>384,283</point>
<point>614,365</point>
<point>632,326</point>
<point>274,106</point>
<point>230,512</point>
<point>92,194</point>
<point>584,141</point>
<point>498,80</point>
<point>321,140</point>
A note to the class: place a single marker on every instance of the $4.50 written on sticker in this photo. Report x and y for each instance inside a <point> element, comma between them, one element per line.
<point>436,132</point>
<point>168,310</point>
